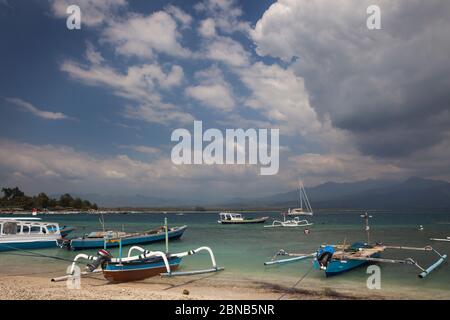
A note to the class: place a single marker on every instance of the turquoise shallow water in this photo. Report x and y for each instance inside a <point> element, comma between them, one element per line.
<point>242,249</point>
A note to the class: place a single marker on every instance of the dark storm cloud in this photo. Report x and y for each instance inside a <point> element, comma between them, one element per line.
<point>389,87</point>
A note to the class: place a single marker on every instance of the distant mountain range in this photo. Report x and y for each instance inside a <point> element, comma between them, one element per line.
<point>367,194</point>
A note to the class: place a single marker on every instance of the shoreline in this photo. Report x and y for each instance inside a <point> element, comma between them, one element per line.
<point>29,287</point>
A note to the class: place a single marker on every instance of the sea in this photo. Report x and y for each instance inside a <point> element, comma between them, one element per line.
<point>243,249</point>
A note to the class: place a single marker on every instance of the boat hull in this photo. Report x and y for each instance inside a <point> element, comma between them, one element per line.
<point>246,221</point>
<point>295,214</point>
<point>86,243</point>
<point>64,231</point>
<point>28,245</point>
<point>138,270</point>
<point>336,267</point>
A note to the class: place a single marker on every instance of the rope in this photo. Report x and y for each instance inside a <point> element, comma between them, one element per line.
<point>33,254</point>
<point>298,281</point>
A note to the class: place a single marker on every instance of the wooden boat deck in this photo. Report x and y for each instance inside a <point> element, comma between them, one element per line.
<point>341,254</point>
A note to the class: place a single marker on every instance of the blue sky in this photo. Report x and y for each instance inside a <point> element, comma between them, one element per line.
<point>92,110</point>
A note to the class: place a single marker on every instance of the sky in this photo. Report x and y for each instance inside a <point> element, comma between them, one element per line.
<point>92,110</point>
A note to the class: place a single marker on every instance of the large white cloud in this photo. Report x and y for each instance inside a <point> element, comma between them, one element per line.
<point>212,91</point>
<point>141,84</point>
<point>380,85</point>
<point>56,169</point>
<point>143,36</point>
<point>226,15</point>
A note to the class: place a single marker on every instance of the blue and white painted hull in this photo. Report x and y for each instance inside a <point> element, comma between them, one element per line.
<point>337,266</point>
<point>87,243</point>
<point>138,270</point>
<point>28,244</point>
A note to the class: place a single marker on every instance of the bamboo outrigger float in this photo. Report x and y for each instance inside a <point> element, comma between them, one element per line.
<point>336,259</point>
<point>141,266</point>
<point>442,240</point>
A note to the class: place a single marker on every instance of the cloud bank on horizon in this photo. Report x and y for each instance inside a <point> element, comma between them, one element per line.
<point>350,103</point>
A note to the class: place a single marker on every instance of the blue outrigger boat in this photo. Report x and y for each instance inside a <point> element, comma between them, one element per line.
<point>110,239</point>
<point>337,259</point>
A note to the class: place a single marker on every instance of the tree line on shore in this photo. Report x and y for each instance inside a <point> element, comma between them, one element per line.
<point>15,198</point>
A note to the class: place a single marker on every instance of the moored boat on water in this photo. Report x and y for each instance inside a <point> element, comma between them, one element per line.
<point>305,207</point>
<point>95,240</point>
<point>295,222</point>
<point>28,233</point>
<point>337,259</point>
<point>237,218</point>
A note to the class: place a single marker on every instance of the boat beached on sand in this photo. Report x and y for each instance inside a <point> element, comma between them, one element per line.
<point>144,265</point>
<point>237,218</point>
<point>336,259</point>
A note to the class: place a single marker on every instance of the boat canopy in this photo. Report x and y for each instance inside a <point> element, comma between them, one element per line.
<point>21,227</point>
<point>230,216</point>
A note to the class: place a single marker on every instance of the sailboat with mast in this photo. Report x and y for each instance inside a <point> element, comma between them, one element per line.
<point>293,219</point>
<point>305,207</point>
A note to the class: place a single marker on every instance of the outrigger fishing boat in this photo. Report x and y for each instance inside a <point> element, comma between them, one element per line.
<point>138,267</point>
<point>305,207</point>
<point>95,240</point>
<point>295,222</point>
<point>336,259</point>
<point>237,218</point>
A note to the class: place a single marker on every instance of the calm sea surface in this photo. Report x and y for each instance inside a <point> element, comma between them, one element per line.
<point>242,249</point>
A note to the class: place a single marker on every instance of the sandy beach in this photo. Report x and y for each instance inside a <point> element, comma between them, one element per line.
<point>20,287</point>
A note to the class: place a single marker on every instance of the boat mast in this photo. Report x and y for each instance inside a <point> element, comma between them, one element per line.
<point>300,190</point>
<point>366,217</point>
<point>308,205</point>
<point>167,235</point>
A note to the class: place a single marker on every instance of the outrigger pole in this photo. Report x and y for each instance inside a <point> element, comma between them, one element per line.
<point>366,217</point>
<point>444,240</point>
<point>295,257</point>
<point>408,261</point>
<point>167,235</point>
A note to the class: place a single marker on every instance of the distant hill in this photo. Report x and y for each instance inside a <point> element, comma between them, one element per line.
<point>412,193</point>
<point>128,201</point>
<point>369,194</point>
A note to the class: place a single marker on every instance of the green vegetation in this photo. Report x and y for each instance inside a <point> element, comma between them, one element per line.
<point>15,198</point>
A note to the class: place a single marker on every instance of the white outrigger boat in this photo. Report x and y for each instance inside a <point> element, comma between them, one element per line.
<point>28,233</point>
<point>295,222</point>
<point>305,208</point>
